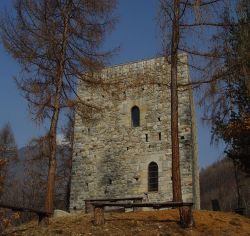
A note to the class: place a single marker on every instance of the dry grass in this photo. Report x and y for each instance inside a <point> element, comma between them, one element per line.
<point>158,223</point>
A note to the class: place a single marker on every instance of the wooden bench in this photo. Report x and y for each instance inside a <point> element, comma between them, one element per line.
<point>42,215</point>
<point>185,210</point>
<point>90,208</point>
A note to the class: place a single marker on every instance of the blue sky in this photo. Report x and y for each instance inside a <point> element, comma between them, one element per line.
<point>136,33</point>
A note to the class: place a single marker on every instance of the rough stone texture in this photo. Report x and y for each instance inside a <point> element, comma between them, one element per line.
<point>60,213</point>
<point>111,157</point>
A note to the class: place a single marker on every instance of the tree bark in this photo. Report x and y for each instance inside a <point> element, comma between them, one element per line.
<point>52,159</point>
<point>176,178</point>
<point>49,204</point>
<point>186,217</point>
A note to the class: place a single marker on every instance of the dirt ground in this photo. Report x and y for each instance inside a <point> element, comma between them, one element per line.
<point>157,223</point>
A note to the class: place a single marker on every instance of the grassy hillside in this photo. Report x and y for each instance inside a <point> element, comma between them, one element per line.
<point>218,182</point>
<point>157,223</point>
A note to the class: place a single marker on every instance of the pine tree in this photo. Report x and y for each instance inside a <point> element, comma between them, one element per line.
<point>57,43</point>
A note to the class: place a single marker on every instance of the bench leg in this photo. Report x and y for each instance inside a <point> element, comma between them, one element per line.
<point>137,208</point>
<point>88,207</point>
<point>99,216</point>
<point>186,217</point>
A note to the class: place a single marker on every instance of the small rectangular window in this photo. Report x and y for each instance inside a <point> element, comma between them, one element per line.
<point>135,116</point>
<point>146,136</point>
<point>152,177</point>
<point>159,136</point>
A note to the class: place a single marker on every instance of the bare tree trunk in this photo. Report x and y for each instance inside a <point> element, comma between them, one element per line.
<point>186,217</point>
<point>176,179</point>
<point>52,163</point>
<point>49,204</point>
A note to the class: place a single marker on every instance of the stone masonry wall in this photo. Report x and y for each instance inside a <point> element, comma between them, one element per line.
<point>111,157</point>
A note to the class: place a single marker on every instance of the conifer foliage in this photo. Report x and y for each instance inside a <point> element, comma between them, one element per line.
<point>232,121</point>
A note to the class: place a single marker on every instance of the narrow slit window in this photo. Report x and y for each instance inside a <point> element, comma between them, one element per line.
<point>159,136</point>
<point>146,136</point>
<point>152,177</point>
<point>135,116</point>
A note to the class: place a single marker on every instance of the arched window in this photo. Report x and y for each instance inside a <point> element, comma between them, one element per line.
<point>135,116</point>
<point>152,177</point>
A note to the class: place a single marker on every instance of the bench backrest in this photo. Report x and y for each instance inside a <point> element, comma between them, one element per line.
<point>114,199</point>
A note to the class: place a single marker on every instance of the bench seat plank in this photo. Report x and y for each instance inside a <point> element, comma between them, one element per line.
<point>114,199</point>
<point>89,206</point>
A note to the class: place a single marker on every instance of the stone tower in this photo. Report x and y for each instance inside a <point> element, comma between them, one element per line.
<point>125,150</point>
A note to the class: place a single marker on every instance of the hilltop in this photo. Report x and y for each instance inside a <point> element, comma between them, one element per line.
<point>160,223</point>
